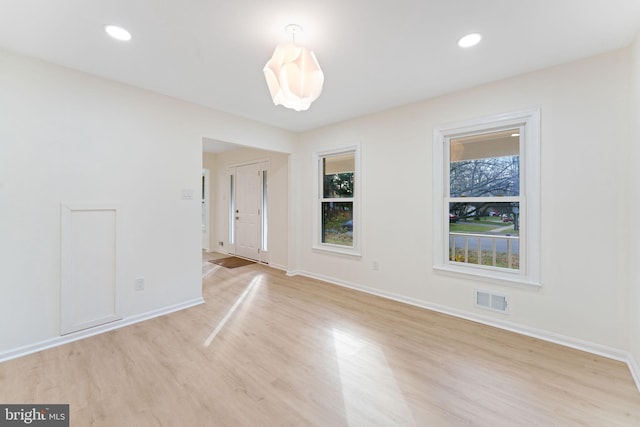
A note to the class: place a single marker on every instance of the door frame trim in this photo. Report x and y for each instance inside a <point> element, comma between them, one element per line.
<point>263,256</point>
<point>206,174</point>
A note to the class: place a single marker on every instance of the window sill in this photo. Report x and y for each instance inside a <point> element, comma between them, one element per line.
<point>336,250</point>
<point>515,281</point>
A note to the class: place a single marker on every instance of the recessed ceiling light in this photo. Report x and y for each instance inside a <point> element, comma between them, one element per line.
<point>470,40</point>
<point>118,33</point>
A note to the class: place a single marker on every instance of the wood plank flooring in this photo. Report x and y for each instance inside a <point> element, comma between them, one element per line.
<point>271,350</point>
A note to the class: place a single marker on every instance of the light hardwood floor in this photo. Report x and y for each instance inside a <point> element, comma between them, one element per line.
<point>270,350</point>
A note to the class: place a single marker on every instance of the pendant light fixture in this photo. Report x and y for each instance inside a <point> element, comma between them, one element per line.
<point>293,74</point>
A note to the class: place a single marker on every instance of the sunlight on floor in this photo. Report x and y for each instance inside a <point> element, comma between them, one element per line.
<point>369,389</point>
<point>231,311</point>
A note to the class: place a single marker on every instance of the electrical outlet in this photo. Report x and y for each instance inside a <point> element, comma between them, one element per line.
<point>139,284</point>
<point>375,266</point>
<point>221,243</point>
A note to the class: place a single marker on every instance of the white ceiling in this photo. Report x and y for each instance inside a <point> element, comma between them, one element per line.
<point>375,54</point>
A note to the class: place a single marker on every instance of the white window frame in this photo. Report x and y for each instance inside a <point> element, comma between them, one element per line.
<point>530,251</point>
<point>353,250</point>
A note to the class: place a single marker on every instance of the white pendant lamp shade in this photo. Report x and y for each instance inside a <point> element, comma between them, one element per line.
<point>294,77</point>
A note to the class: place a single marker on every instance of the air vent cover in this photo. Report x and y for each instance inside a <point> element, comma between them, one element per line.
<point>491,301</point>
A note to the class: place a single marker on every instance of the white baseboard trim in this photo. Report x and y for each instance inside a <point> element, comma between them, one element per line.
<point>589,347</point>
<point>57,341</point>
<point>278,266</point>
<point>219,251</point>
<point>635,369</point>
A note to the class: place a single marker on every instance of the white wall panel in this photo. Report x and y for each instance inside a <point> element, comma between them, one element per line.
<point>89,256</point>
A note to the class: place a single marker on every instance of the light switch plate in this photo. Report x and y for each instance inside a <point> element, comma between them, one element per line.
<point>187,194</point>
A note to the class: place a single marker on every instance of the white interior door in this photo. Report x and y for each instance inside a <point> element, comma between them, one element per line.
<point>248,194</point>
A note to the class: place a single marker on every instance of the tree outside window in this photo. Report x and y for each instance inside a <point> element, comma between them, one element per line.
<point>338,175</point>
<point>484,199</point>
<point>486,187</point>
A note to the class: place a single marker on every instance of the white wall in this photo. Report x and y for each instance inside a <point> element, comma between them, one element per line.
<point>633,198</point>
<point>278,194</point>
<point>585,129</point>
<point>66,136</point>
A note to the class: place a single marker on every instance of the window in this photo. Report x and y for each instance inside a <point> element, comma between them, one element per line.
<point>265,211</point>
<point>486,207</point>
<point>232,209</point>
<point>337,221</point>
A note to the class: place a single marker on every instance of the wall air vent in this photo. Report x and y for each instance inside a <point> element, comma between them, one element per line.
<point>491,301</point>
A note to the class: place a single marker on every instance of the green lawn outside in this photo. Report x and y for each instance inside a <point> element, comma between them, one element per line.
<point>470,228</point>
<point>489,220</point>
<point>482,226</point>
